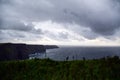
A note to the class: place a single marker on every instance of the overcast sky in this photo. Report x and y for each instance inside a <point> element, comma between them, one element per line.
<point>61,22</point>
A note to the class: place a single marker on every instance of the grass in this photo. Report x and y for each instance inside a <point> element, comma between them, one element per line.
<point>46,69</point>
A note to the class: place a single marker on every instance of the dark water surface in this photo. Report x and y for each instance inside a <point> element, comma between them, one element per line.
<point>77,53</point>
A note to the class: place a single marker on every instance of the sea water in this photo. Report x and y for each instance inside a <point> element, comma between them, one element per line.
<point>78,53</point>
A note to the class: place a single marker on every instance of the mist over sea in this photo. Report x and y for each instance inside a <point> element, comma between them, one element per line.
<point>77,53</point>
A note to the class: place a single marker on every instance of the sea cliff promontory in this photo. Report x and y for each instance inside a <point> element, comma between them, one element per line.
<point>19,51</point>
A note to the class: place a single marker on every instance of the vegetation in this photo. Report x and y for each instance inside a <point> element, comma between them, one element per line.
<point>46,69</point>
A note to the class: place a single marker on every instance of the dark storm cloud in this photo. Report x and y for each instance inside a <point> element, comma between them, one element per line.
<point>17,25</point>
<point>101,16</point>
<point>14,25</point>
<point>101,26</point>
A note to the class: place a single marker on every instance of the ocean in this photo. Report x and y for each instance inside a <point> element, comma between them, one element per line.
<point>78,53</point>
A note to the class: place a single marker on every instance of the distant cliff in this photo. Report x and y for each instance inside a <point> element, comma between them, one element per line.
<point>50,46</point>
<point>10,51</point>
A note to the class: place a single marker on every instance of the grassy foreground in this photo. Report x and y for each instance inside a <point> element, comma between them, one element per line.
<point>46,69</point>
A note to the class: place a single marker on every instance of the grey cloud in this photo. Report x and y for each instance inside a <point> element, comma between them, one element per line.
<point>101,16</point>
<point>115,36</point>
<point>19,26</point>
<point>59,36</point>
<point>9,23</point>
<point>12,30</point>
<point>63,35</point>
<point>103,23</point>
<point>13,36</point>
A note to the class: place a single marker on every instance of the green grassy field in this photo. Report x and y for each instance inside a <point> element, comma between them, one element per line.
<point>46,69</point>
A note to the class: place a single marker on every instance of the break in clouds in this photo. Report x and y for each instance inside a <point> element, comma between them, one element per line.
<point>60,20</point>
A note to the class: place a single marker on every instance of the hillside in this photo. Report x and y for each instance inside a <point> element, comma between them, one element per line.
<point>18,51</point>
<point>102,69</point>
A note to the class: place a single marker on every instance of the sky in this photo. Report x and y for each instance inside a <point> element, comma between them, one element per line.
<point>60,22</point>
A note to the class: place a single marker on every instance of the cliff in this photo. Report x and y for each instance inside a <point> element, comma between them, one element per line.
<point>9,51</point>
<point>51,46</point>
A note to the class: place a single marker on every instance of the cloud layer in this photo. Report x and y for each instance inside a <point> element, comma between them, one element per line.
<point>88,19</point>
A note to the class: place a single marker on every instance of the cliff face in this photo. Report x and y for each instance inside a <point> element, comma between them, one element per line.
<point>10,51</point>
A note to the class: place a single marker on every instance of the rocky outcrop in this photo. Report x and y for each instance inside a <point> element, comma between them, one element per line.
<point>9,51</point>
